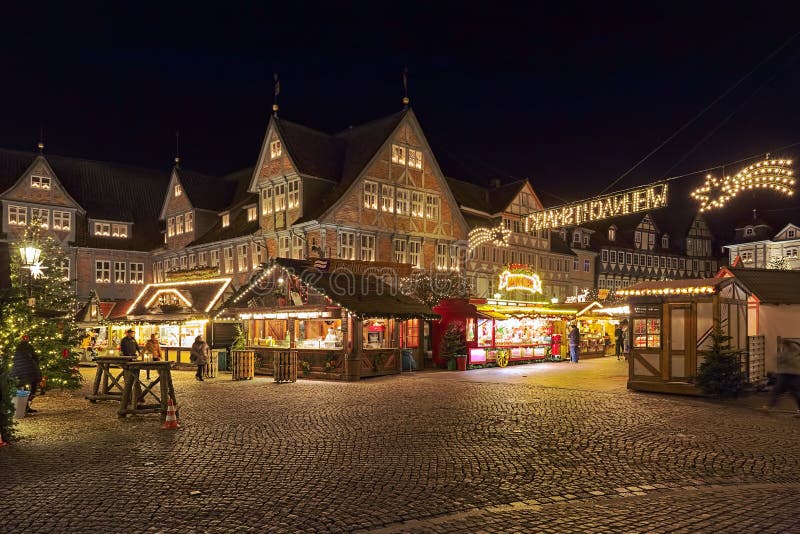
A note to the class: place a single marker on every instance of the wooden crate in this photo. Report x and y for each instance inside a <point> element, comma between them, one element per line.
<point>285,366</point>
<point>242,364</point>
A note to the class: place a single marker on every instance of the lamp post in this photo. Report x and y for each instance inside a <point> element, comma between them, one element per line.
<point>30,256</point>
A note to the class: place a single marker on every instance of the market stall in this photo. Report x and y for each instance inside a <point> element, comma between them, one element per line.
<point>671,321</point>
<point>498,332</point>
<point>597,324</point>
<point>343,325</point>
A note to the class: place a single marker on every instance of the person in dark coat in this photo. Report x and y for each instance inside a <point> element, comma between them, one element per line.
<point>25,369</point>
<point>200,355</point>
<point>618,340</point>
<point>128,346</point>
<point>574,339</point>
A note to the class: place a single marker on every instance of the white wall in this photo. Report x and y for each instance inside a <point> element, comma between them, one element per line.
<point>774,321</point>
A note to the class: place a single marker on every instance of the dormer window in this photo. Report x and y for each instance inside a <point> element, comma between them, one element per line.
<point>664,241</point>
<point>178,190</point>
<point>251,214</point>
<point>102,229</point>
<point>790,234</point>
<point>748,231</point>
<point>119,230</point>
<point>40,182</point>
<point>612,233</point>
<point>415,158</point>
<point>275,149</point>
<point>576,238</point>
<point>226,220</point>
<point>586,241</point>
<point>398,154</point>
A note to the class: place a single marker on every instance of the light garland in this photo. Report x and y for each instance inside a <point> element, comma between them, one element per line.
<point>497,236</point>
<point>697,290</point>
<point>169,291</point>
<point>225,283</point>
<point>774,174</point>
<point>517,278</point>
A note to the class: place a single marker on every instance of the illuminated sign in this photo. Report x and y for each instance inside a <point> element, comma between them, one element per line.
<point>775,174</point>
<point>632,201</point>
<point>521,278</point>
<point>578,298</point>
<point>497,236</point>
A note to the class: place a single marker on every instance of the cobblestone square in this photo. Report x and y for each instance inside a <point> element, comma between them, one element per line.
<point>546,447</point>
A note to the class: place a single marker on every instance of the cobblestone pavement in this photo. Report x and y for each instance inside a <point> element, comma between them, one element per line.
<point>428,452</point>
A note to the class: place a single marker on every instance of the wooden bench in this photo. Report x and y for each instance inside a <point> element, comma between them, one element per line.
<point>138,392</point>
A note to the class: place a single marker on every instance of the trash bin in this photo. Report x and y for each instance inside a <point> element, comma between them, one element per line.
<point>21,403</point>
<point>408,360</point>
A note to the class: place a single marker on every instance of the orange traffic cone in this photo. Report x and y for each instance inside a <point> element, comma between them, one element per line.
<point>171,422</point>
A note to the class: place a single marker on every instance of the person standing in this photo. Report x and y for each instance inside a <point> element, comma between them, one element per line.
<point>618,340</point>
<point>574,338</point>
<point>128,346</point>
<point>788,374</point>
<point>154,348</point>
<point>200,355</point>
<point>25,369</point>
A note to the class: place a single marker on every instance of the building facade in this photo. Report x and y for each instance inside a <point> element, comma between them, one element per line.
<point>757,246</point>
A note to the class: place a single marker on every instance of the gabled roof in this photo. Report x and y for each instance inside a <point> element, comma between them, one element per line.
<point>560,246</point>
<point>197,297</point>
<point>206,192</point>
<point>785,228</point>
<point>239,226</point>
<point>314,153</point>
<point>501,197</point>
<point>469,195</point>
<point>770,286</point>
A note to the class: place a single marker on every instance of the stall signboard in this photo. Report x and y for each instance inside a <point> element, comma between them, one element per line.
<point>520,277</point>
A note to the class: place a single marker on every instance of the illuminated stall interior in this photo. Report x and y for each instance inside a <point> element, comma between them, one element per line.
<point>595,322</point>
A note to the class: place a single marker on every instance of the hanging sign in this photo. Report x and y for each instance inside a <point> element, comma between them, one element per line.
<point>520,277</point>
<point>632,201</point>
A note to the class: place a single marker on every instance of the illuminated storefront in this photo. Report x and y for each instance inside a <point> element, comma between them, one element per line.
<point>597,325</point>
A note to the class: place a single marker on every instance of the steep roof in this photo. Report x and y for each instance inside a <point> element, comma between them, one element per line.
<point>501,197</point>
<point>239,226</point>
<point>560,246</point>
<point>770,286</point>
<point>106,191</point>
<point>206,192</point>
<point>313,152</point>
<point>469,195</point>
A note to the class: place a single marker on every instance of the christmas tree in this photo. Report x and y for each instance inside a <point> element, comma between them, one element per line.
<point>720,372</point>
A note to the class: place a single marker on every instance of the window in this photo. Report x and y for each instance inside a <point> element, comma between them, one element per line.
<point>17,215</point>
<point>178,224</point>
<point>637,237</point>
<point>102,271</point>
<point>651,240</point>
<point>576,238</point>
<point>387,198</point>
<point>171,226</point>
<point>415,253</point>
<point>266,200</point>
<point>694,265</point>
<point>664,241</point>
<point>575,263</point>
<point>641,260</point>
<point>62,266</point>
<point>432,207</point>
<point>649,261</point>
<point>647,332</point>
<point>402,201</point>
<point>280,197</point>
<point>455,257</point>
<point>61,220</point>
<point>613,256</point>
<point>214,258</point>
<point>629,258</point>
<point>441,256</point>
<point>40,182</point>
<point>192,261</point>
<point>136,271</point>
<point>189,221</point>
<point>416,204</point>
<point>371,195</point>
<point>251,214</point>
<point>586,241</point>
<point>683,264</point>
<point>398,155</point>
<point>258,251</point>
<point>415,158</point>
<point>663,262</point>
<point>103,229</point>
<point>119,230</point>
<point>612,233</point>
<point>201,258</point>
<point>275,149</point>
<point>790,234</point>
<point>294,194</point>
<point>241,252</point>
<point>119,272</point>
<point>367,247</point>
<point>178,190</point>
<point>586,266</point>
<point>636,259</point>
<point>42,215</point>
<point>674,262</point>
<point>183,262</point>
<point>748,231</point>
<point>400,250</point>
<point>298,252</point>
<point>228,259</point>
<point>174,263</point>
<point>284,244</point>
<point>347,245</point>
<point>226,220</point>
<point>604,256</point>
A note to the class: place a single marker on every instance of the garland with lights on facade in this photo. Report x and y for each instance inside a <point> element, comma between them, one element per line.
<point>774,174</point>
<point>198,273</point>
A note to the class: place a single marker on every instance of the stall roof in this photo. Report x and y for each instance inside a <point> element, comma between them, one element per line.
<point>507,308</point>
<point>194,297</point>
<point>690,286</point>
<point>770,286</point>
<point>366,296</point>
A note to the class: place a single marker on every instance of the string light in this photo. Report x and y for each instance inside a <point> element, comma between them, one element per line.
<point>773,174</point>
<point>695,290</point>
<point>497,236</point>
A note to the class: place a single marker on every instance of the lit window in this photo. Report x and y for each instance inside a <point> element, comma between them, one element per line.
<point>586,240</point>
<point>103,229</point>
<point>576,238</point>
<point>371,195</point>
<point>665,241</point>
<point>136,271</point>
<point>432,207</point>
<point>613,256</point>
<point>649,261</point>
<point>171,226</point>
<point>280,197</point>
<point>228,259</point>
<point>629,258</point>
<point>226,220</point>
<point>586,266</point>
<point>441,256</point>
<point>417,199</point>
<point>251,214</point>
<point>178,190</point>
<point>266,200</point>
<point>102,271</point>
<point>604,256</point>
<point>40,182</point>
<point>119,230</point>
<point>791,252</point>
<point>414,158</point>
<point>42,215</point>
<point>612,234</point>
<point>189,221</point>
<point>178,224</point>
<point>387,198</point>
<point>297,247</point>
<point>294,194</point>
<point>400,246</point>
<point>275,149</point>
<point>214,258</point>
<point>17,215</point>
<point>201,258</point>
<point>398,155</point>
<point>748,231</point>
<point>61,220</point>
<point>284,244</point>
<point>192,261</point>
<point>367,248</point>
<point>242,254</point>
<point>119,272</point>
<point>258,252</point>
<point>183,262</point>
<point>637,236</point>
<point>402,201</point>
<point>455,257</point>
<point>347,245</point>
<point>415,253</point>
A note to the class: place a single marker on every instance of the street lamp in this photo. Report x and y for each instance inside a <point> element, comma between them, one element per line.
<point>30,255</point>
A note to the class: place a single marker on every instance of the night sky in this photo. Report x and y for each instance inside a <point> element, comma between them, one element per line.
<point>569,97</point>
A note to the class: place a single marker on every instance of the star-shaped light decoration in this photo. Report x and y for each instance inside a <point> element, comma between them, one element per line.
<point>37,269</point>
<point>774,174</point>
<point>498,236</point>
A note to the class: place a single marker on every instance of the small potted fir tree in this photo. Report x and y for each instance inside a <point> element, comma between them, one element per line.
<point>453,348</point>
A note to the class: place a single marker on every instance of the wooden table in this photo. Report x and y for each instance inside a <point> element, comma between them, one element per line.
<point>107,385</point>
<point>138,392</point>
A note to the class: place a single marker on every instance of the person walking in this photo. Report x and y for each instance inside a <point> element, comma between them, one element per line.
<point>200,355</point>
<point>153,347</point>
<point>618,341</point>
<point>128,346</point>
<point>25,369</point>
<point>574,338</point>
<point>788,375</point>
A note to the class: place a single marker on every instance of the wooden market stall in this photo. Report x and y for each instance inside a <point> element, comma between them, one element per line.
<point>597,324</point>
<point>671,320</point>
<point>344,325</point>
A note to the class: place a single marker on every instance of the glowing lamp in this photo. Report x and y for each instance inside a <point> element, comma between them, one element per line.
<point>30,255</point>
